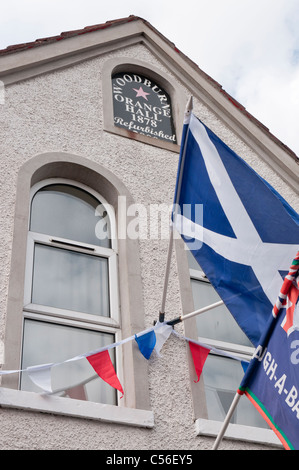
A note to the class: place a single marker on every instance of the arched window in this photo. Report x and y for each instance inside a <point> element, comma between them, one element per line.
<point>75,286</point>
<point>71,292</point>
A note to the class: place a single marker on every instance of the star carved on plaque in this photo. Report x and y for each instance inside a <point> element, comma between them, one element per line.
<point>141,93</point>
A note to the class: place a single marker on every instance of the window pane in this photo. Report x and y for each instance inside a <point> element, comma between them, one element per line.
<point>217,323</point>
<point>193,264</point>
<point>222,378</point>
<point>70,280</point>
<point>68,212</point>
<point>45,343</point>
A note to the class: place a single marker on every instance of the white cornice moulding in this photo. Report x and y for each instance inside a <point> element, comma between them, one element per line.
<point>19,60</point>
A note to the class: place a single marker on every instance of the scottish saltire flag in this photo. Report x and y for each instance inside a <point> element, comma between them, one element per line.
<point>271,381</point>
<point>239,229</point>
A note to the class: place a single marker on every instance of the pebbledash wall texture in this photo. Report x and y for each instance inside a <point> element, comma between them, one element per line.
<point>62,111</point>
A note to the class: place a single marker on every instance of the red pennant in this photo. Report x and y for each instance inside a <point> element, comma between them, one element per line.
<point>199,355</point>
<point>103,366</point>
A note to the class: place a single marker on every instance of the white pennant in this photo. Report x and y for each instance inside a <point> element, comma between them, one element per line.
<point>162,334</point>
<point>41,376</point>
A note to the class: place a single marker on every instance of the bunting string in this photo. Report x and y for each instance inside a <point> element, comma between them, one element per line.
<point>149,340</point>
<point>219,352</point>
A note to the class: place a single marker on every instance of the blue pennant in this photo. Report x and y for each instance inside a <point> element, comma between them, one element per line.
<point>146,343</point>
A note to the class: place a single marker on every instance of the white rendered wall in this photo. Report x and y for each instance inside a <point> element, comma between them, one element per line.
<point>62,111</point>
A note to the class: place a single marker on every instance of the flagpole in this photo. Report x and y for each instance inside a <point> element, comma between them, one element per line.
<point>196,312</point>
<point>166,277</point>
<point>226,421</point>
<point>188,111</point>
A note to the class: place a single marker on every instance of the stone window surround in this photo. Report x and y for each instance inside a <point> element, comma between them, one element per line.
<point>135,374</point>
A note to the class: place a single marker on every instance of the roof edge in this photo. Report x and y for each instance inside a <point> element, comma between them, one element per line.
<point>65,35</point>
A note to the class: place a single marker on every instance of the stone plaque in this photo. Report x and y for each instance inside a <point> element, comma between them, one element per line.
<point>142,106</point>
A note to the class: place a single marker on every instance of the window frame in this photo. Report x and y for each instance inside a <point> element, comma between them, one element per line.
<point>72,245</point>
<point>112,321</point>
<point>67,317</point>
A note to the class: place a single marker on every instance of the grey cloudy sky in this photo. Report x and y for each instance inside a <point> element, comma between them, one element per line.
<point>251,47</point>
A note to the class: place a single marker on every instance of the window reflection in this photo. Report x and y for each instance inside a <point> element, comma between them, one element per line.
<point>69,212</point>
<point>217,324</point>
<point>70,280</point>
<point>222,378</point>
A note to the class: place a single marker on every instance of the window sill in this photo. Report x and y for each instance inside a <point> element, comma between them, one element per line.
<point>205,427</point>
<point>31,401</point>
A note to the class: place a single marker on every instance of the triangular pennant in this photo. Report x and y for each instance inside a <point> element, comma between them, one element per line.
<point>162,335</point>
<point>103,366</point>
<point>146,343</point>
<point>41,376</point>
<point>199,355</point>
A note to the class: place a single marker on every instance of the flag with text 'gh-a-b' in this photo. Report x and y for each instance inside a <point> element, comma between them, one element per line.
<point>271,381</point>
<point>238,228</point>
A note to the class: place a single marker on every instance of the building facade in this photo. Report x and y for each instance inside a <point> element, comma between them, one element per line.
<point>91,124</point>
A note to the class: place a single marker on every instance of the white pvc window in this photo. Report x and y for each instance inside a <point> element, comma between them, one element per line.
<point>71,292</point>
<point>221,375</point>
